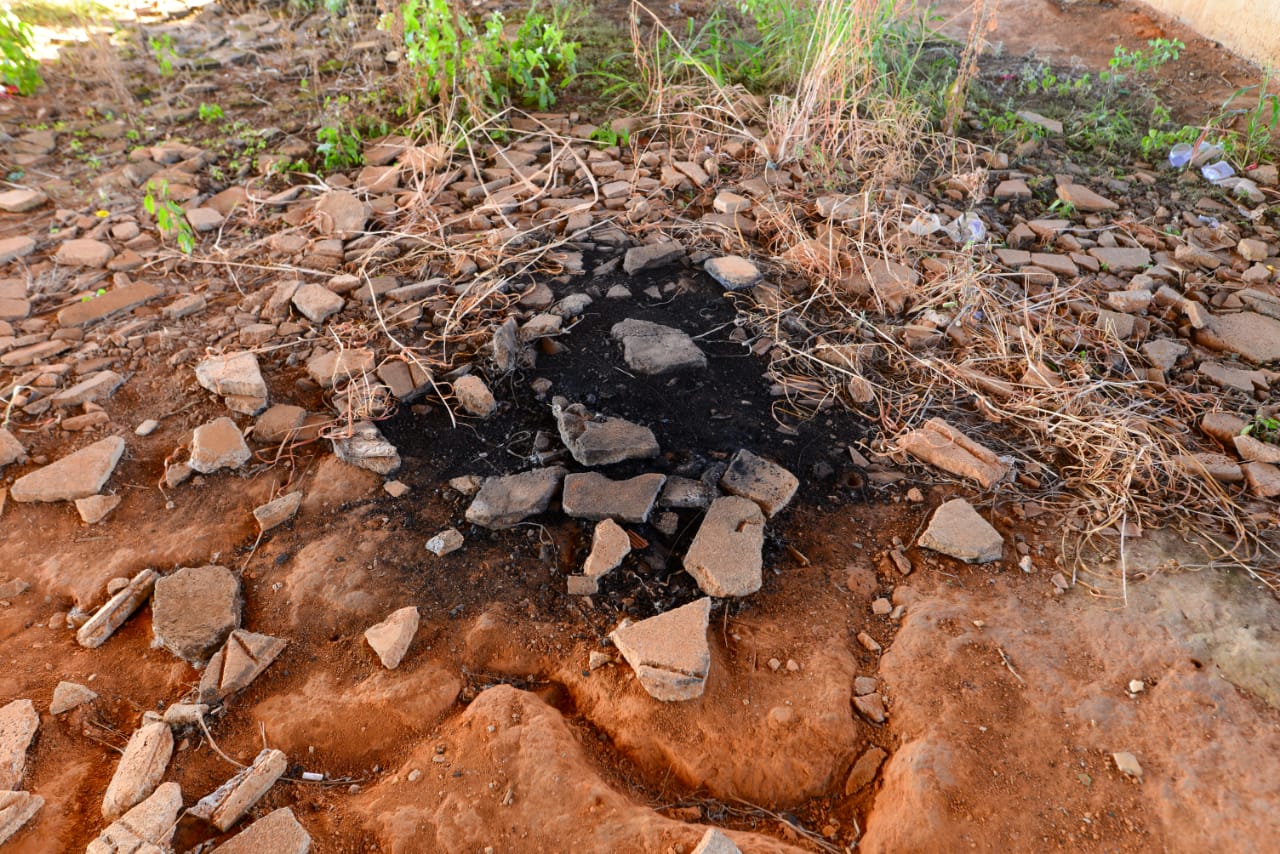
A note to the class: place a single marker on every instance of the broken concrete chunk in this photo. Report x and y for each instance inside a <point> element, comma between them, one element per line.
<point>194,610</point>
<point>390,639</point>
<point>95,508</point>
<point>871,707</point>
<point>16,809</point>
<point>280,423</point>
<point>683,493</point>
<point>1253,451</point>
<point>957,530</point>
<point>18,724</point>
<point>1083,199</point>
<point>144,762</point>
<point>118,608</point>
<point>95,387</point>
<point>367,448</point>
<point>227,804</point>
<point>1127,764</point>
<point>69,695</point>
<point>715,842</point>
<point>609,545</point>
<point>316,302</point>
<point>733,272</point>
<point>594,496</point>
<point>669,652</point>
<point>83,252</point>
<point>766,483</point>
<point>146,828</point>
<point>341,214</point>
<point>445,542</point>
<point>237,378</point>
<point>77,475</point>
<point>218,444</point>
<point>277,511</point>
<point>506,501</point>
<point>864,770</point>
<point>474,397</point>
<point>1263,479</point>
<point>939,444</point>
<point>725,556</point>
<point>652,349</point>
<point>1254,336</point>
<point>11,450</point>
<point>651,255</point>
<point>238,663</point>
<point>596,440</point>
<point>277,832</point>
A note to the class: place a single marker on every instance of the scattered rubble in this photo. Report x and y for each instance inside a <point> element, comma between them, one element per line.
<point>766,483</point>
<point>69,695</point>
<point>367,448</point>
<point>278,832</point>
<point>150,823</point>
<point>241,660</point>
<point>940,444</point>
<point>16,809</point>
<point>218,445</point>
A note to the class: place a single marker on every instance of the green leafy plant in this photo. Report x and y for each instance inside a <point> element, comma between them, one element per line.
<point>607,136</point>
<point>1264,429</point>
<point>210,113</point>
<point>339,148</point>
<point>17,67</point>
<point>1162,52</point>
<point>164,53</point>
<point>169,216</point>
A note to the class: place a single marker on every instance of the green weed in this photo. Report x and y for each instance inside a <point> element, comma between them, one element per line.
<point>169,216</point>
<point>210,113</point>
<point>339,148</point>
<point>164,53</point>
<point>17,67</point>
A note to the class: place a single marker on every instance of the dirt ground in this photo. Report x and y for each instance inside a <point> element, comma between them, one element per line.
<point>1006,696</point>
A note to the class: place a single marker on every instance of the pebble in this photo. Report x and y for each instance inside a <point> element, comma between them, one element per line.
<point>445,542</point>
<point>390,639</point>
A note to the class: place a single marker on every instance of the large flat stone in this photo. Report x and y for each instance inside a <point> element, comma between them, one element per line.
<point>115,300</point>
<point>237,378</point>
<point>957,530</point>
<point>12,248</point>
<point>651,255</point>
<point>94,387</point>
<point>652,349</point>
<point>194,609</point>
<point>669,652</point>
<point>77,475</point>
<point>594,496</point>
<point>725,556</point>
<point>506,501</point>
<point>241,660</point>
<point>277,832</point>
<point>218,445</point>
<point>145,759</point>
<point>1254,336</point>
<point>597,440</point>
<point>18,724</point>
<point>84,252</point>
<point>16,809</point>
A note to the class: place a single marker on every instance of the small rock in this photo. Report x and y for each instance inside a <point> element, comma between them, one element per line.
<point>596,440</point>
<point>445,542</point>
<point>185,714</point>
<point>145,829</point>
<point>204,220</point>
<point>281,423</point>
<point>651,255</point>
<point>118,608</point>
<point>236,377</point>
<point>863,685</point>
<point>18,724</point>
<point>395,488</point>
<point>506,501</point>
<point>11,450</point>
<point>609,545</point>
<point>146,428</point>
<point>594,496</point>
<point>277,832</point>
<point>957,530</point>
<point>194,609</point>
<point>217,445</point>
<point>1084,199</point>
<point>12,248</point>
<point>1137,686</point>
<point>652,349</point>
<point>869,643</point>
<point>77,475</point>
<point>390,639</point>
<point>725,556</point>
<point>1128,765</point>
<point>1254,336</point>
<point>1164,352</point>
<point>1130,302</point>
<point>316,302</point>
<point>341,214</point>
<point>669,652</point>
<point>227,804</point>
<point>366,448</point>
<point>22,200</point>
<point>864,770</point>
<point>733,272</point>
<point>871,707</point>
<point>715,842</point>
<point>144,762</point>
<point>16,809</point>
<point>84,253</point>
<point>1251,249</point>
<point>474,397</point>
<point>766,483</point>
<point>238,663</point>
<point>939,444</point>
<point>1263,479</point>
<point>881,607</point>
<point>95,508</point>
<point>276,512</point>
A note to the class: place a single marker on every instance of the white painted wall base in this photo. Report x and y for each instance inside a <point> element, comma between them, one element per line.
<point>1250,28</point>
